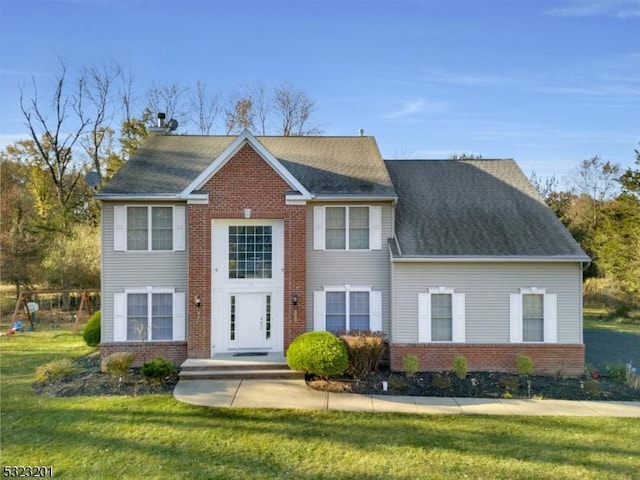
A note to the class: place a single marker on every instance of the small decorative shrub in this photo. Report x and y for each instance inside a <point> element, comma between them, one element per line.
<point>525,365</point>
<point>55,369</point>
<point>410,365</point>
<point>118,364</point>
<point>318,353</point>
<point>441,381</point>
<point>91,332</point>
<point>397,383</point>
<point>592,387</point>
<point>509,383</point>
<point>615,371</point>
<point>365,350</point>
<point>460,366</point>
<point>158,369</point>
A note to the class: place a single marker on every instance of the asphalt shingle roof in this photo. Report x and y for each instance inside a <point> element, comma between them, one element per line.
<point>474,208</point>
<point>167,164</point>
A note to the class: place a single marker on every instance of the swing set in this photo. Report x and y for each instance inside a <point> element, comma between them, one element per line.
<point>28,306</point>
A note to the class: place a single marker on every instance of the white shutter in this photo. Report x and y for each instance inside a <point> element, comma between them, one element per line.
<point>375,228</point>
<point>319,318</point>
<point>458,313</point>
<point>318,228</point>
<point>424,317</point>
<point>178,316</point>
<point>119,228</point>
<point>515,318</point>
<point>551,318</point>
<point>119,317</point>
<point>179,214</point>
<point>375,311</point>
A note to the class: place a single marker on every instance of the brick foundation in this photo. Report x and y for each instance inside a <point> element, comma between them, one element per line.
<point>175,352</point>
<point>554,359</point>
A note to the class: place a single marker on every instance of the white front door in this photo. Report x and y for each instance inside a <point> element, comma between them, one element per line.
<point>251,319</point>
<point>247,285</point>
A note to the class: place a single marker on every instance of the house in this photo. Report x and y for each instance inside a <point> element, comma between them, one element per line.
<point>219,244</point>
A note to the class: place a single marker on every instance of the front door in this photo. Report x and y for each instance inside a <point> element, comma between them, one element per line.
<point>250,318</point>
<point>247,285</point>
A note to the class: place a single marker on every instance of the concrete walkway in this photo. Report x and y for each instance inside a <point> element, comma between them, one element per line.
<point>296,395</point>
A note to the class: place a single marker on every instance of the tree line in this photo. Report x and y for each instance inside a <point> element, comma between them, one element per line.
<point>95,120</point>
<point>601,209</point>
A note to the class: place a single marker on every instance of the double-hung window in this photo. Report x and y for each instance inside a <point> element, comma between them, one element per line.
<point>344,309</point>
<point>351,227</point>
<point>441,316</point>
<point>150,314</point>
<point>149,228</point>
<point>533,316</point>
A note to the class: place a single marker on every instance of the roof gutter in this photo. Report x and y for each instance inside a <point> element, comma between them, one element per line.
<point>161,197</point>
<point>489,259</point>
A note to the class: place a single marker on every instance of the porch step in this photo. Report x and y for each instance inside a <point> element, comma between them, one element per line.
<point>228,374</point>
<point>223,367</point>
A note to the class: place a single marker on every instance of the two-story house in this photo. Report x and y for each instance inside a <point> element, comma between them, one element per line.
<point>219,244</point>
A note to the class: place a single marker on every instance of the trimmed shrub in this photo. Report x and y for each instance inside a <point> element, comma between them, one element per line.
<point>91,332</point>
<point>525,365</point>
<point>365,350</point>
<point>441,381</point>
<point>158,369</point>
<point>118,364</point>
<point>410,365</point>
<point>318,353</point>
<point>460,366</point>
<point>55,369</point>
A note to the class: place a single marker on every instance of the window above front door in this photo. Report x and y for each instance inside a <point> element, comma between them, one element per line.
<point>250,251</point>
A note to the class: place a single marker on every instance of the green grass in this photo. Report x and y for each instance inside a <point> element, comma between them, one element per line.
<point>598,318</point>
<point>155,437</point>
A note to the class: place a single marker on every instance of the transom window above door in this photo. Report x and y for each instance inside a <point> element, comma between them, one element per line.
<point>250,251</point>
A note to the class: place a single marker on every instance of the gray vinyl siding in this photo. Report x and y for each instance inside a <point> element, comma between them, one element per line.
<point>487,287</point>
<point>340,267</point>
<point>122,270</point>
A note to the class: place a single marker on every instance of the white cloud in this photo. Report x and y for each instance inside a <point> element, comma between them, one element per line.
<point>412,107</point>
<point>622,9</point>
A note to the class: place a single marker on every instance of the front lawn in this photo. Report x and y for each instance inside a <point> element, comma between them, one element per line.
<point>155,437</point>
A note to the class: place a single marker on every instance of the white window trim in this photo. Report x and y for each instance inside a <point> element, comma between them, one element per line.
<point>120,228</point>
<point>375,306</point>
<point>120,313</point>
<point>550,322</point>
<point>319,228</point>
<point>458,315</point>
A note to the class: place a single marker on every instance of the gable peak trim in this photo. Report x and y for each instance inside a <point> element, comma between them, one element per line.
<point>245,138</point>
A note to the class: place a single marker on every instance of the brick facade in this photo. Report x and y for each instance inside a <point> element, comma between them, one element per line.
<point>175,352</point>
<point>554,359</point>
<point>245,181</point>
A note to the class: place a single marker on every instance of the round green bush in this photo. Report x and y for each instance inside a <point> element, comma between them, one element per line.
<point>158,368</point>
<point>91,332</point>
<point>318,353</point>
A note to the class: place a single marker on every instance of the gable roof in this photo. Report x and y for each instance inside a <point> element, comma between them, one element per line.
<point>474,209</point>
<point>168,165</point>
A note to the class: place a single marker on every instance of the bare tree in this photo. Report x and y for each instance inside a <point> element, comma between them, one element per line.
<point>294,108</point>
<point>596,179</point>
<point>169,99</point>
<point>55,139</point>
<point>257,93</point>
<point>205,107</point>
<point>98,83</point>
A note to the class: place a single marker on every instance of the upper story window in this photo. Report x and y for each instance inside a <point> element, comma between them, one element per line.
<point>250,251</point>
<point>149,228</point>
<point>347,227</point>
<point>347,308</point>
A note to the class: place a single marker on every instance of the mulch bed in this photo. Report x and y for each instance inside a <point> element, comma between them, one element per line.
<point>90,381</point>
<point>481,385</point>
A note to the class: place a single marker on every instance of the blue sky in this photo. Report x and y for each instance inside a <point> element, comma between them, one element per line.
<point>548,83</point>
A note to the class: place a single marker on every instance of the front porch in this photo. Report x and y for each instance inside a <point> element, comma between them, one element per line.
<point>224,366</point>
